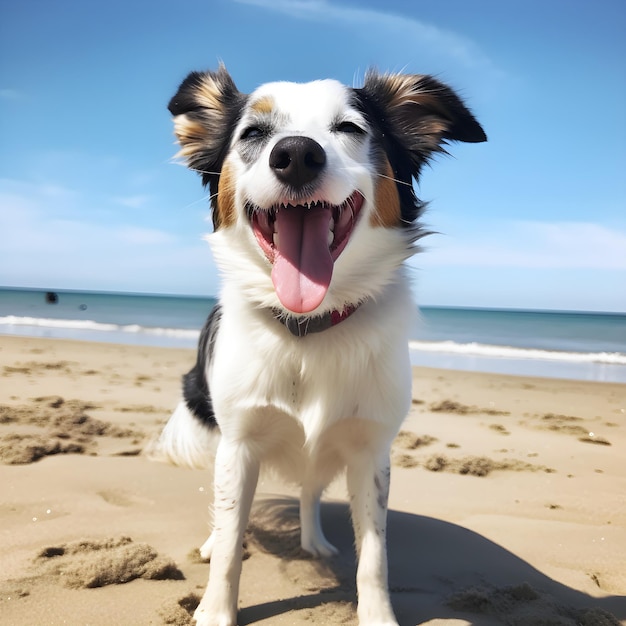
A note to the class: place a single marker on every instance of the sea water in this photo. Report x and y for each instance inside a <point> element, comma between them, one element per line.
<point>583,346</point>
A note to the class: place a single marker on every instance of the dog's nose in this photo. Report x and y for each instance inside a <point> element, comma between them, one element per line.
<point>297,160</point>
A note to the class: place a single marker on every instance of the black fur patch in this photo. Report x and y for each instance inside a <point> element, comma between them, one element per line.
<point>195,386</point>
<point>404,129</point>
<point>218,121</point>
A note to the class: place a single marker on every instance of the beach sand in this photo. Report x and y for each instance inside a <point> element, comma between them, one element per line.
<point>507,505</point>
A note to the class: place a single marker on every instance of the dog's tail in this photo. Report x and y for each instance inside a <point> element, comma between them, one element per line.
<point>185,440</point>
<point>191,435</point>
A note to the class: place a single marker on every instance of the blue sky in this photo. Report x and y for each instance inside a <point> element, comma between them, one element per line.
<point>90,197</point>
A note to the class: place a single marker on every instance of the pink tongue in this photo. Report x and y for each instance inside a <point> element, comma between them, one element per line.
<point>303,265</point>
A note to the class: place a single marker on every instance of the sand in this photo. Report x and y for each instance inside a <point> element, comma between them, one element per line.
<point>507,505</point>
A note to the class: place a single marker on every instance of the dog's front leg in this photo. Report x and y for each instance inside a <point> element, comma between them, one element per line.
<point>368,486</point>
<point>236,476</point>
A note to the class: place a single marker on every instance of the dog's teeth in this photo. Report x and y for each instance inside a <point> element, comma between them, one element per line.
<point>275,239</point>
<point>263,219</point>
<point>345,217</point>
<point>330,238</point>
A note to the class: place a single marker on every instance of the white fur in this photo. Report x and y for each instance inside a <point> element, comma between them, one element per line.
<point>307,406</point>
<point>184,441</point>
<point>348,163</point>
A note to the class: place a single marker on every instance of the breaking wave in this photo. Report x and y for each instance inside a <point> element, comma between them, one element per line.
<point>510,352</point>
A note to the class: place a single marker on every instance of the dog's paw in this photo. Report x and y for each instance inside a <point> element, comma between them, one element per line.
<point>206,548</point>
<point>319,547</point>
<point>204,616</point>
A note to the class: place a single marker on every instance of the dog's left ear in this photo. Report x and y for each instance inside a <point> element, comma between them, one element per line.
<point>418,113</point>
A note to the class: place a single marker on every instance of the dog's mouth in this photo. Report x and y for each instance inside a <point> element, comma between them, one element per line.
<point>302,242</point>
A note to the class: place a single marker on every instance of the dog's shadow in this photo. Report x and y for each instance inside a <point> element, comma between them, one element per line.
<point>436,570</point>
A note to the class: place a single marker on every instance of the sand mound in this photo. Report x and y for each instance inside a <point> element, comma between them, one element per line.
<point>451,406</point>
<point>18,449</point>
<point>466,466</point>
<point>68,429</point>
<point>411,441</point>
<point>479,465</point>
<point>89,563</point>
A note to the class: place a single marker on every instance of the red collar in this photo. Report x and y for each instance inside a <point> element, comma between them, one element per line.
<point>302,326</point>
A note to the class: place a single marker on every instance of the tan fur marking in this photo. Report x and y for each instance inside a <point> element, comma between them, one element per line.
<point>405,88</point>
<point>188,131</point>
<point>406,91</point>
<point>227,214</point>
<point>191,135</point>
<point>263,105</point>
<point>387,213</point>
<point>208,94</point>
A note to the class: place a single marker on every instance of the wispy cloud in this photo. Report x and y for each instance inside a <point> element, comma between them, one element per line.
<point>143,236</point>
<point>50,218</point>
<point>46,243</point>
<point>445,43</point>
<point>532,245</point>
<point>10,94</point>
<point>132,202</point>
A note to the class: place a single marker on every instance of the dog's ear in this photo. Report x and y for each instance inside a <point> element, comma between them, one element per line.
<point>415,116</point>
<point>206,109</point>
<point>420,111</point>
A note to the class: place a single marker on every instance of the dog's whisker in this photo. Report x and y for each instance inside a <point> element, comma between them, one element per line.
<point>209,172</point>
<point>395,180</point>
<point>200,200</point>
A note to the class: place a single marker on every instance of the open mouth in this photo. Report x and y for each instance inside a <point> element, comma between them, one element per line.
<point>302,242</point>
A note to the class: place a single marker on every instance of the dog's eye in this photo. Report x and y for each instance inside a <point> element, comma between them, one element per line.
<point>349,128</point>
<point>252,132</point>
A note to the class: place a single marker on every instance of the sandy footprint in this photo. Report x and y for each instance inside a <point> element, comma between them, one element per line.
<point>523,605</point>
<point>179,612</point>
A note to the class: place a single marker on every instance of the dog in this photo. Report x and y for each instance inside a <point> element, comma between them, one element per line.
<point>303,366</point>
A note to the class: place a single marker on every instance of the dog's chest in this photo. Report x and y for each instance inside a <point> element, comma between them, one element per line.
<point>299,380</point>
<point>314,381</point>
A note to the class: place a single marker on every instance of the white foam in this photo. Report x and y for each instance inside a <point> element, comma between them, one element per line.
<point>42,322</point>
<point>441,347</point>
<point>510,352</point>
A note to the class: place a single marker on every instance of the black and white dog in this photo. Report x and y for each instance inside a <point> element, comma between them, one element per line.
<point>304,366</point>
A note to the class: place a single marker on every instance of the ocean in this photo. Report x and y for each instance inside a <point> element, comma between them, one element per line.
<point>573,345</point>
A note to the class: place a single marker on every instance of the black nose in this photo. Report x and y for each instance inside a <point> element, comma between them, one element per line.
<point>297,161</point>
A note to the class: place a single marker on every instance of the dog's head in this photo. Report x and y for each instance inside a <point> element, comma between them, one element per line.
<point>312,184</point>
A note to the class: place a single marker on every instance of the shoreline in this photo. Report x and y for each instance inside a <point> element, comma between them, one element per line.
<point>506,501</point>
<point>456,361</point>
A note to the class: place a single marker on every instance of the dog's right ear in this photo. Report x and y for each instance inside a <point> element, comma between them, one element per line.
<point>206,109</point>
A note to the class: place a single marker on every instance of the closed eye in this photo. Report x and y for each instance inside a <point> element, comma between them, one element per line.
<point>349,128</point>
<point>253,132</point>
